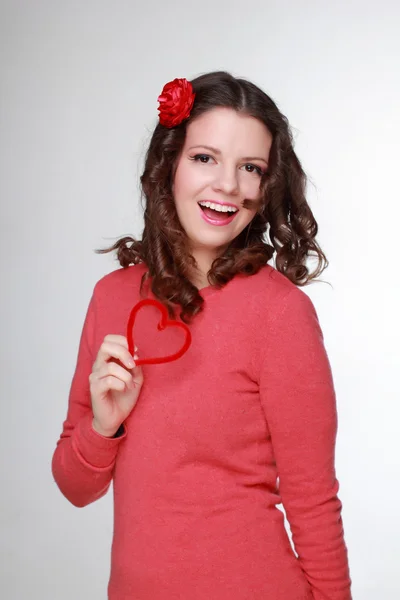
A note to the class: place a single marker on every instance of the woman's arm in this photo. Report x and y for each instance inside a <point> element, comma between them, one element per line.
<point>298,397</point>
<point>83,460</point>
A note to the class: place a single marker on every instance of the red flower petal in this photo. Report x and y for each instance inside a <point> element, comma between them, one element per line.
<point>176,101</point>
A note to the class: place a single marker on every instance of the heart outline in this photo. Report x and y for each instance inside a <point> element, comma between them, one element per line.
<point>162,324</point>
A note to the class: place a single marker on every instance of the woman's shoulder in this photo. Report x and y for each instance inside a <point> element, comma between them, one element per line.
<point>270,292</point>
<point>270,283</point>
<point>120,281</point>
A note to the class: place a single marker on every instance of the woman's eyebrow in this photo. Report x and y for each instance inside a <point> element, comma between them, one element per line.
<point>218,152</point>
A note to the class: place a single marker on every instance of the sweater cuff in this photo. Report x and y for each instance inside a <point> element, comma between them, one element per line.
<point>92,448</point>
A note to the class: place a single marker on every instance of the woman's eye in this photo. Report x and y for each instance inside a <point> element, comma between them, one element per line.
<point>258,170</point>
<point>203,158</point>
<point>200,156</point>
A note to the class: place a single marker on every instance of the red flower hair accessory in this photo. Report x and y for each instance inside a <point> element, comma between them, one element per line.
<point>176,101</point>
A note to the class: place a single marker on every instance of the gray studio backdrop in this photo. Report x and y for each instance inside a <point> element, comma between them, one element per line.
<point>78,100</point>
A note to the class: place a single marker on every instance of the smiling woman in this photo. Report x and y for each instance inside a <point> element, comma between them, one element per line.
<point>202,450</point>
<point>221,180</point>
<point>220,139</point>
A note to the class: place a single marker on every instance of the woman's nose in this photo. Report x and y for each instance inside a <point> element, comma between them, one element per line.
<point>226,180</point>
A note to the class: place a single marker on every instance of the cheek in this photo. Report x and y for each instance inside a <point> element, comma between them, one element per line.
<point>186,180</point>
<point>251,188</point>
<point>249,217</point>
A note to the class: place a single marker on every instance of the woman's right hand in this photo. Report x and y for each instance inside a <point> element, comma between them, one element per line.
<point>115,384</point>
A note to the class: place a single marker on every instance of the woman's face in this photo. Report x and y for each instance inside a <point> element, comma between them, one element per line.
<point>227,172</point>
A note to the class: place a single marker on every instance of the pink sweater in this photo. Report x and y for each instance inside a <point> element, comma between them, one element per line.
<point>195,473</point>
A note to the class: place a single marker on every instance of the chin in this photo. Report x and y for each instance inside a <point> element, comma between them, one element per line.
<point>212,242</point>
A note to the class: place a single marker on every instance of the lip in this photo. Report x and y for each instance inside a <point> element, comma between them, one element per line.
<point>220,203</point>
<point>219,221</point>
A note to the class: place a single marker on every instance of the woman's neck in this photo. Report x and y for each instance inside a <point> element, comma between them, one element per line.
<point>204,258</point>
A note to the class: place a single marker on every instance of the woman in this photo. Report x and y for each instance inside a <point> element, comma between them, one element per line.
<point>203,449</point>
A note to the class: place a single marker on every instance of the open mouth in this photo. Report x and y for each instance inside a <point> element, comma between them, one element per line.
<point>221,215</point>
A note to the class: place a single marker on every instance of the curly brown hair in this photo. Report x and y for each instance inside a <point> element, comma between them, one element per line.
<point>283,207</point>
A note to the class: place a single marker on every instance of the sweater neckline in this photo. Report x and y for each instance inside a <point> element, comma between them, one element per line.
<point>204,292</point>
<point>208,290</point>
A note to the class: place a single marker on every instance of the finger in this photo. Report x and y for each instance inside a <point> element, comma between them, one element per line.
<point>109,351</point>
<point>97,380</point>
<point>114,370</point>
<point>117,339</point>
<point>109,383</point>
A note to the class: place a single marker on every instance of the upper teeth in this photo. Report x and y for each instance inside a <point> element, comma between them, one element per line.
<point>219,207</point>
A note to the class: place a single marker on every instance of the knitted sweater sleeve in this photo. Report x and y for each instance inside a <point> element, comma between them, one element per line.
<point>298,398</point>
<point>83,460</point>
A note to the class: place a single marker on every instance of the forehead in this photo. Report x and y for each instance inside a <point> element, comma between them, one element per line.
<point>227,129</point>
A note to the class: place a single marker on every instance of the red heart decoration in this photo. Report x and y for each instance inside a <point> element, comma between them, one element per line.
<point>163,324</point>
